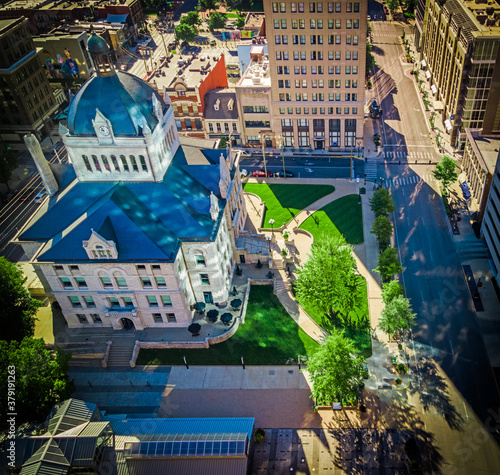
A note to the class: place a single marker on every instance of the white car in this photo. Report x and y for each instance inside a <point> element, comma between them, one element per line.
<point>40,197</point>
<point>243,173</point>
<point>244,153</point>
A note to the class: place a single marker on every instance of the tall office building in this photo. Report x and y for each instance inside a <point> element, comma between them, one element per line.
<point>317,62</point>
<point>26,97</point>
<point>459,41</point>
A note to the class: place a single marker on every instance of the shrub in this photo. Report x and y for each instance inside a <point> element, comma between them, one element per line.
<point>259,434</point>
<point>370,85</point>
<point>398,382</point>
<point>401,368</point>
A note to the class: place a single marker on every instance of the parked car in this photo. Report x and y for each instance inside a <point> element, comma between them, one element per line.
<point>262,173</point>
<point>243,173</point>
<point>40,197</point>
<point>281,174</point>
<point>244,153</point>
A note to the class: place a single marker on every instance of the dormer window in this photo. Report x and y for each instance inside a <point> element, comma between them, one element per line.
<point>217,104</point>
<point>99,248</point>
<point>230,104</point>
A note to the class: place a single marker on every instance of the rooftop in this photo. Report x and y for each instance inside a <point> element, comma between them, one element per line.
<point>220,104</point>
<point>5,24</point>
<point>474,18</point>
<point>254,21</point>
<point>257,74</point>
<point>488,148</point>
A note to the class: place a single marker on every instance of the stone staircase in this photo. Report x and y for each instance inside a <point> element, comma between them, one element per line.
<point>121,352</point>
<point>281,286</point>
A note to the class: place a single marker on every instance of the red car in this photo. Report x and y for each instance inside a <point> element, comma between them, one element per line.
<point>261,172</point>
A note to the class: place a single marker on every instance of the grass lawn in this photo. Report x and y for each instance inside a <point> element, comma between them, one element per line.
<point>231,15</point>
<point>269,336</point>
<point>359,329</point>
<point>342,216</point>
<point>283,202</point>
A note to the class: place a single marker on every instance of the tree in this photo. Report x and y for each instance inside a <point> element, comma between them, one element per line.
<point>208,4</point>
<point>41,378</point>
<point>240,5</point>
<point>335,370</point>
<point>382,228</point>
<point>18,309</point>
<point>409,5</point>
<point>185,32</point>
<point>216,21</point>
<point>328,280</point>
<point>192,19</point>
<point>392,5</point>
<point>445,172</point>
<point>240,22</point>
<point>397,317</point>
<point>381,202</point>
<point>370,60</point>
<point>8,163</point>
<point>388,264</point>
<point>391,290</point>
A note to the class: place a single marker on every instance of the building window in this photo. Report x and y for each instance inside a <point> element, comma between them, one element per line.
<point>66,282</point>
<point>80,281</point>
<point>121,282</point>
<point>146,282</point>
<point>235,129</point>
<point>82,318</point>
<point>157,318</point>
<point>106,283</point>
<point>200,259</point>
<point>127,302</point>
<point>156,267</point>
<point>152,301</point>
<point>124,163</point>
<point>86,163</point>
<point>75,302</point>
<point>89,301</point>
<point>166,301</point>
<point>171,318</point>
<point>204,279</point>
<point>96,318</point>
<point>160,281</point>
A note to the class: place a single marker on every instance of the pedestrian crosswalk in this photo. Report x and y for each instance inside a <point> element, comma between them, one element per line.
<point>420,156</point>
<point>407,180</point>
<point>371,169</point>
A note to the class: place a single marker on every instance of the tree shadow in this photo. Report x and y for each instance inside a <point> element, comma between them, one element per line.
<point>378,50</point>
<point>380,439</point>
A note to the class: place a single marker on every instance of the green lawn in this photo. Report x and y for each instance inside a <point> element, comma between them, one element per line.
<point>283,202</point>
<point>358,329</point>
<point>231,15</point>
<point>268,337</point>
<point>342,216</point>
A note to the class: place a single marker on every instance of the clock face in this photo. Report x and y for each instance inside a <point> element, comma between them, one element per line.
<point>103,130</point>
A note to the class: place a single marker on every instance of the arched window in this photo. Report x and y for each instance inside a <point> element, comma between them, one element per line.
<point>143,163</point>
<point>87,163</point>
<point>114,161</point>
<point>97,165</point>
<point>134,163</point>
<point>105,163</point>
<point>124,163</point>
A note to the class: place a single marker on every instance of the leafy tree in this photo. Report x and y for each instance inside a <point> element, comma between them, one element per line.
<point>381,202</point>
<point>216,21</point>
<point>409,5</point>
<point>445,172</point>
<point>382,228</point>
<point>370,60</point>
<point>388,264</point>
<point>328,280</point>
<point>18,309</point>
<point>392,5</point>
<point>240,5</point>
<point>208,4</point>
<point>191,19</point>
<point>185,32</point>
<point>391,290</point>
<point>335,370</point>
<point>8,163</point>
<point>240,22</point>
<point>41,378</point>
<point>397,316</point>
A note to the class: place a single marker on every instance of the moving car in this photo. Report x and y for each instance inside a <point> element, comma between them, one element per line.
<point>281,174</point>
<point>243,173</point>
<point>40,197</point>
<point>261,172</point>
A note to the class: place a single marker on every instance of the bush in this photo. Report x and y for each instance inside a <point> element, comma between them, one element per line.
<point>447,206</point>
<point>398,382</point>
<point>259,434</point>
<point>370,85</point>
<point>401,368</point>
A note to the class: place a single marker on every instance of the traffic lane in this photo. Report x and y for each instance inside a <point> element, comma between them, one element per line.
<point>303,172</point>
<point>15,220</point>
<point>439,295</point>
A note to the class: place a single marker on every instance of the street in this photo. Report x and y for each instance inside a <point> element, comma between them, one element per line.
<point>433,277</point>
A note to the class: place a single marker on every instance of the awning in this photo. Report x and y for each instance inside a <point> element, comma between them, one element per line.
<point>423,63</point>
<point>448,125</point>
<point>434,89</point>
<point>428,74</point>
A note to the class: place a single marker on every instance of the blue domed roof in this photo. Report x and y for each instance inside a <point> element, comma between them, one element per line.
<point>125,100</point>
<point>97,45</point>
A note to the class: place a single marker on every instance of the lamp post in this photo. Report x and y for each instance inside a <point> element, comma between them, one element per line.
<point>268,239</point>
<point>280,142</point>
<point>271,222</point>
<point>263,140</point>
<point>352,170</point>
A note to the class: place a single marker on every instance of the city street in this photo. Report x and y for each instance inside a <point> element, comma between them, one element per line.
<point>433,276</point>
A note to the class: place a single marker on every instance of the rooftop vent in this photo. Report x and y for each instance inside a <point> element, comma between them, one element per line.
<point>230,104</point>
<point>217,105</point>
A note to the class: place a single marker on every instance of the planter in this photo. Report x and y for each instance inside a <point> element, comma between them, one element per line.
<point>259,434</point>
<point>398,382</point>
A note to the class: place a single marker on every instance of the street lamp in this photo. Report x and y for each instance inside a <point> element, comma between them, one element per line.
<point>263,140</point>
<point>268,239</point>
<point>271,222</point>
<point>280,143</point>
